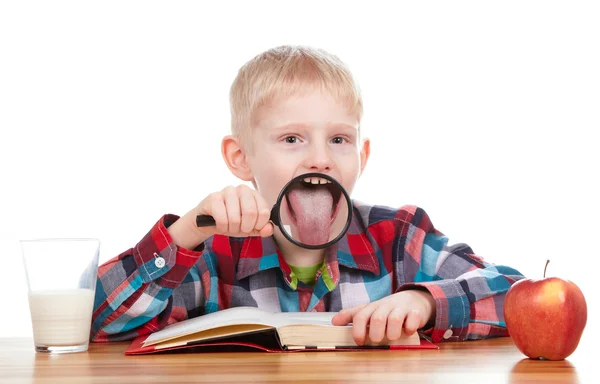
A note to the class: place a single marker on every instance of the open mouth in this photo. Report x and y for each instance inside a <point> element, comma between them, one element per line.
<point>313,205</point>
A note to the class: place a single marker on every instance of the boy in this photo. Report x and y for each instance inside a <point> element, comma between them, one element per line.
<point>297,110</point>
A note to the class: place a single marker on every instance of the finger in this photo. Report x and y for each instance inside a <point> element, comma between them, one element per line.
<point>378,322</point>
<point>411,324</point>
<point>360,321</point>
<point>266,231</point>
<point>232,204</point>
<point>394,325</point>
<point>264,211</point>
<point>219,212</point>
<point>344,317</point>
<point>249,210</point>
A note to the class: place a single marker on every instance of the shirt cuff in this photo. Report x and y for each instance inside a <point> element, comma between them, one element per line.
<point>157,256</point>
<point>452,309</point>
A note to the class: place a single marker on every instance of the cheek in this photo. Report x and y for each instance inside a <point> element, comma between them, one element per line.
<point>349,186</point>
<point>348,161</point>
<point>271,180</point>
<point>350,171</point>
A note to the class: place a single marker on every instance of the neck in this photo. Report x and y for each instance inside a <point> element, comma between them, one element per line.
<point>296,255</point>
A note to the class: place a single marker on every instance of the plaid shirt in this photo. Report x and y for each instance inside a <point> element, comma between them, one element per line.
<point>385,251</point>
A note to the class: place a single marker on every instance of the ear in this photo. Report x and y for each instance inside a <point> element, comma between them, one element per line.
<point>235,158</point>
<point>364,154</point>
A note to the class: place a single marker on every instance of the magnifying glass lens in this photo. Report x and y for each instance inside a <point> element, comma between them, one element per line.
<point>313,211</point>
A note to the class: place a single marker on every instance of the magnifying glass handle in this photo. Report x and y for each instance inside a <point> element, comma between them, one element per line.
<point>209,221</point>
<point>205,221</point>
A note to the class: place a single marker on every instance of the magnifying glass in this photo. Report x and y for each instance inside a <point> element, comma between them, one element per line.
<point>312,211</point>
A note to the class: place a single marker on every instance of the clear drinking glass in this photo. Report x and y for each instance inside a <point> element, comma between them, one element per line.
<point>61,277</point>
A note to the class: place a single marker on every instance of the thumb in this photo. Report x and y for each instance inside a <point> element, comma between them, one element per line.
<point>267,230</point>
<point>341,318</point>
<point>346,315</point>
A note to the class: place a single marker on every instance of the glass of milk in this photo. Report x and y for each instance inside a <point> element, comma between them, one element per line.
<point>61,276</point>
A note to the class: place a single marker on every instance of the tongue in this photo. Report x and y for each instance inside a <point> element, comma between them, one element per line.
<point>313,209</point>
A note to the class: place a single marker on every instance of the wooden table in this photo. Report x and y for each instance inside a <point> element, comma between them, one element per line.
<point>483,361</point>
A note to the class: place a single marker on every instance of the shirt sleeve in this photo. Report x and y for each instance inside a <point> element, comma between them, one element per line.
<point>147,287</point>
<point>468,291</point>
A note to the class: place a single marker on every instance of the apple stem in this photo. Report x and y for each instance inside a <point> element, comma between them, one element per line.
<point>547,261</point>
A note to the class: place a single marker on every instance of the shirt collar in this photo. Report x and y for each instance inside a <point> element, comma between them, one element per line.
<point>356,250</point>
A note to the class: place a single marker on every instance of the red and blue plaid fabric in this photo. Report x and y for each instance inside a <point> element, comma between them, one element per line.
<point>386,250</point>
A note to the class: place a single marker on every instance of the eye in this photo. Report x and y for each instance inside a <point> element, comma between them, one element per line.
<point>338,140</point>
<point>291,139</point>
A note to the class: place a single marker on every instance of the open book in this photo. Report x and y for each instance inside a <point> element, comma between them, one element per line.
<point>244,328</point>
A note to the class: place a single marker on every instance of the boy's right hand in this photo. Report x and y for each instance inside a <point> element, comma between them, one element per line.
<point>238,212</point>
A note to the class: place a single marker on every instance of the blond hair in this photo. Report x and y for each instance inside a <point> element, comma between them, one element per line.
<point>284,71</point>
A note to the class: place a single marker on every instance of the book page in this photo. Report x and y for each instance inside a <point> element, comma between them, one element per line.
<point>230,316</point>
<point>295,335</point>
<point>235,316</point>
<point>214,333</point>
<point>314,318</point>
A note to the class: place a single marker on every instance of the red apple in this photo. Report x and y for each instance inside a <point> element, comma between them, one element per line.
<point>546,317</point>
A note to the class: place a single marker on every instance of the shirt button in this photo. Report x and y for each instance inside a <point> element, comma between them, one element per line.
<point>158,261</point>
<point>447,334</point>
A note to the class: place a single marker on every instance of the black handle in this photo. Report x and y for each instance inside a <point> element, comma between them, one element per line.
<point>205,221</point>
<point>209,221</point>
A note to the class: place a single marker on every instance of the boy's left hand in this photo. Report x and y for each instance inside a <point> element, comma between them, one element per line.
<point>404,311</point>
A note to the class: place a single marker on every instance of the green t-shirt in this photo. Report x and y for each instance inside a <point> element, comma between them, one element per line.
<point>307,274</point>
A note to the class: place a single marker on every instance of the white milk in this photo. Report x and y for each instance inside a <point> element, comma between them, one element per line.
<point>61,317</point>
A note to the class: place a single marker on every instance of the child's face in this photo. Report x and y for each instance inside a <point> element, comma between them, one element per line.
<point>308,132</point>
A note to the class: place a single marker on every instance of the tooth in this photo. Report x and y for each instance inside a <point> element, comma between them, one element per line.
<point>328,181</point>
<point>323,181</point>
<point>307,180</point>
<point>315,180</point>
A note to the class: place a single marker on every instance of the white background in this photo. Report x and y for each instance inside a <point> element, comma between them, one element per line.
<point>486,115</point>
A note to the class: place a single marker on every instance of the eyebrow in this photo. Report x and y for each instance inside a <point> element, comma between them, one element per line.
<point>304,126</point>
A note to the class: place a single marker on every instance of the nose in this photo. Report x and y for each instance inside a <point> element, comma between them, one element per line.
<point>319,158</point>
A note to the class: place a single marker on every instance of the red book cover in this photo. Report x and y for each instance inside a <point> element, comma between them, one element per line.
<point>265,341</point>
